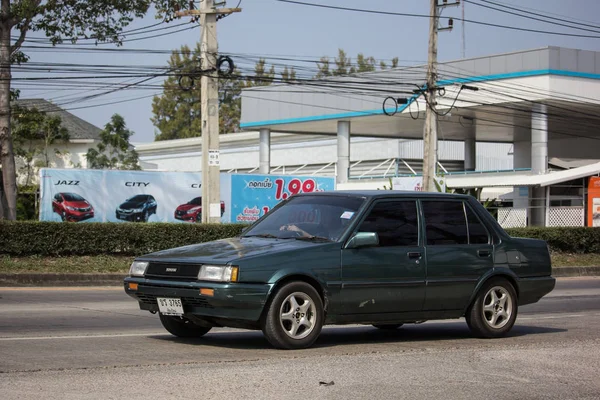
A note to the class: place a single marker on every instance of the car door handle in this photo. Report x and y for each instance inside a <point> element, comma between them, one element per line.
<point>413,254</point>
<point>483,253</point>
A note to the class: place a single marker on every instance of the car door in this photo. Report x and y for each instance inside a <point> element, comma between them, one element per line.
<point>389,277</point>
<point>458,251</point>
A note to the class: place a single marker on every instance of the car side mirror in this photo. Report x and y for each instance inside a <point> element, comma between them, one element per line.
<point>363,239</point>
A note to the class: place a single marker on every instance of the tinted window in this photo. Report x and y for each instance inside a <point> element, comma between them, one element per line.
<point>395,222</point>
<point>445,222</point>
<point>72,197</point>
<point>197,201</point>
<point>477,232</point>
<point>139,197</point>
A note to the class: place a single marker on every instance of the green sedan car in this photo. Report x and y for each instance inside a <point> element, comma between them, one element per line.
<point>383,258</point>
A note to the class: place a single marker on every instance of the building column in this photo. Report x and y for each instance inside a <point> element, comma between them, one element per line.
<point>343,152</point>
<point>264,152</point>
<point>470,154</point>
<point>539,163</point>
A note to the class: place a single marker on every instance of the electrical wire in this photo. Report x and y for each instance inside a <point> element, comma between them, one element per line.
<point>530,17</point>
<point>429,16</point>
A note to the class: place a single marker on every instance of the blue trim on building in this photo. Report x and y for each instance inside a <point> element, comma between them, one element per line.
<point>354,114</point>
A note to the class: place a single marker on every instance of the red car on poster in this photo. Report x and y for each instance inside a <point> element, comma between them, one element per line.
<point>72,207</point>
<point>192,210</point>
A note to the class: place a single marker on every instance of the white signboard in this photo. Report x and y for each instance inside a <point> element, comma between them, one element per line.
<point>415,183</point>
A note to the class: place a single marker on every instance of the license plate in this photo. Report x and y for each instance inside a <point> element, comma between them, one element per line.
<point>169,306</point>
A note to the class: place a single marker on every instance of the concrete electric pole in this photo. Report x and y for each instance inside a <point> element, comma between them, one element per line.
<point>430,133</point>
<point>209,86</point>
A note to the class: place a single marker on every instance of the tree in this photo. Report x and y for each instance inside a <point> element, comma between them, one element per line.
<point>177,111</point>
<point>34,132</point>
<point>114,150</point>
<point>59,20</point>
<point>344,66</point>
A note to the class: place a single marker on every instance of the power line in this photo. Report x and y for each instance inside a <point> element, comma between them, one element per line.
<point>531,17</point>
<point>428,16</point>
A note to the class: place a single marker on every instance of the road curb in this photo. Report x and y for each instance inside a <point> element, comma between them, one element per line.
<point>54,279</point>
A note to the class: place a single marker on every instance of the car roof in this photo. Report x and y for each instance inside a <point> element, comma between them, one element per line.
<point>386,193</point>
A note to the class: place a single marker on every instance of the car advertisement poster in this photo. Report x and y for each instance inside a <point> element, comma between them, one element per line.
<point>80,195</point>
<point>254,195</point>
<point>593,219</point>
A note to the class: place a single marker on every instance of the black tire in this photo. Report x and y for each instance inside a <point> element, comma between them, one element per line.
<point>182,327</point>
<point>146,216</point>
<point>63,216</point>
<point>487,308</point>
<point>275,328</point>
<point>199,217</point>
<point>388,327</point>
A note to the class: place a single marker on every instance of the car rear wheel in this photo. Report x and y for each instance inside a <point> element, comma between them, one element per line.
<point>294,317</point>
<point>494,311</point>
<point>388,327</point>
<point>182,327</point>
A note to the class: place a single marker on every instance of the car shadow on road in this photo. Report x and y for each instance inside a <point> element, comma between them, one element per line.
<point>351,335</point>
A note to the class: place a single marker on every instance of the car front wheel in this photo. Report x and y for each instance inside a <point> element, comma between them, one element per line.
<point>182,327</point>
<point>294,316</point>
<point>494,311</point>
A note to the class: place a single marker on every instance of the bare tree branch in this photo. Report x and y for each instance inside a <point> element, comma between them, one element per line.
<point>19,42</point>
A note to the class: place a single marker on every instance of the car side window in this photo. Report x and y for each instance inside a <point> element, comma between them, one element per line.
<point>395,222</point>
<point>478,234</point>
<point>445,222</point>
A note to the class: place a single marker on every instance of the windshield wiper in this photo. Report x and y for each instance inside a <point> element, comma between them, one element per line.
<point>313,238</point>
<point>263,235</point>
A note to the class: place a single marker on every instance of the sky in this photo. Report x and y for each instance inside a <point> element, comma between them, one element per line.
<point>274,29</point>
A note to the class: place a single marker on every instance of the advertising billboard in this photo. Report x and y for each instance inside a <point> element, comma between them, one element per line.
<point>254,195</point>
<point>593,200</point>
<point>415,183</point>
<point>80,195</point>
<point>84,195</point>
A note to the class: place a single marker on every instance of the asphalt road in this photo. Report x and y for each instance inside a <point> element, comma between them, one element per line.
<point>94,343</point>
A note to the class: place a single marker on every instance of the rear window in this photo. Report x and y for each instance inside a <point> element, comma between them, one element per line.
<point>445,222</point>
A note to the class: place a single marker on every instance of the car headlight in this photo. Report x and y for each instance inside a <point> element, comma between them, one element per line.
<point>70,208</point>
<point>138,268</point>
<point>218,273</point>
<point>192,210</point>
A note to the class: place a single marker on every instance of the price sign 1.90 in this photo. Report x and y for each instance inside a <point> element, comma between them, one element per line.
<point>294,186</point>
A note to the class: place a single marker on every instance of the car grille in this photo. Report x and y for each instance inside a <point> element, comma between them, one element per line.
<point>180,213</point>
<point>84,209</point>
<point>186,301</point>
<point>173,271</point>
<point>125,211</point>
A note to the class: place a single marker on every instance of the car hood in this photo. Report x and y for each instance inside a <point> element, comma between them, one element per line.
<point>185,207</point>
<point>78,204</point>
<point>228,250</point>
<point>131,204</point>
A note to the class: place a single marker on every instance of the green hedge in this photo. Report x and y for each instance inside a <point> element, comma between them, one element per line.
<point>24,238</point>
<point>565,240</point>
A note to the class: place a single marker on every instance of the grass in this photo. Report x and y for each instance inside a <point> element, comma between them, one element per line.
<point>120,264</point>
<point>72,264</point>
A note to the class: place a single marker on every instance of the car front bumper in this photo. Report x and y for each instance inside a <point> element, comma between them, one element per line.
<point>129,217</point>
<point>234,301</point>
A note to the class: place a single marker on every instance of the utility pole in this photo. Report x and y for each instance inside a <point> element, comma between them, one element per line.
<point>430,133</point>
<point>209,109</point>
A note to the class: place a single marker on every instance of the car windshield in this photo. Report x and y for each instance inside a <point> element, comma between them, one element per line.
<point>309,218</point>
<point>139,197</point>
<point>72,197</point>
<point>197,201</point>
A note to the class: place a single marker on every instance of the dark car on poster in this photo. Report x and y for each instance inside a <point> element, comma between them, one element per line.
<point>383,258</point>
<point>72,207</point>
<point>192,210</point>
<point>137,208</point>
